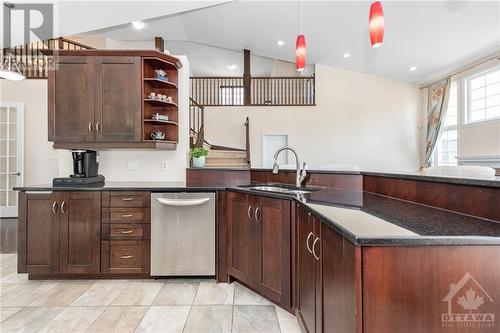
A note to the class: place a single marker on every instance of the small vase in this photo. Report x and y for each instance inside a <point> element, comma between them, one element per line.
<point>199,162</point>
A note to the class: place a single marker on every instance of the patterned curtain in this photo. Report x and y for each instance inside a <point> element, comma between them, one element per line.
<point>436,113</point>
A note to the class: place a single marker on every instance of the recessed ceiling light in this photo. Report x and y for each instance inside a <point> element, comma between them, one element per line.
<point>232,67</point>
<point>139,25</point>
<point>281,43</point>
<point>346,55</point>
<point>412,68</point>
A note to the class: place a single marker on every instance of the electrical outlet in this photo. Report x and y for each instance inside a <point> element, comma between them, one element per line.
<point>132,165</point>
<point>164,165</point>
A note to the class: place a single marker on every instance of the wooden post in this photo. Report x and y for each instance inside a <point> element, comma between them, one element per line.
<point>247,78</point>
<point>159,44</point>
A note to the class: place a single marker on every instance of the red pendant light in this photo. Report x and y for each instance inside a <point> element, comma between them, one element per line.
<point>300,53</point>
<point>376,24</point>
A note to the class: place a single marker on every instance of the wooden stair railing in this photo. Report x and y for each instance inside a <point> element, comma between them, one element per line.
<point>30,58</point>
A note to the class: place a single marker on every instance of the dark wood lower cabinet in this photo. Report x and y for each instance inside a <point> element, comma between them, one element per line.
<point>38,233</point>
<point>259,245</point>
<point>80,238</point>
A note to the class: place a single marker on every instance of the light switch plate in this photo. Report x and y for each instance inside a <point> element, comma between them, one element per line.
<point>132,165</point>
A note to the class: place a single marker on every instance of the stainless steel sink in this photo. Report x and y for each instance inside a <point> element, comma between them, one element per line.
<point>278,189</point>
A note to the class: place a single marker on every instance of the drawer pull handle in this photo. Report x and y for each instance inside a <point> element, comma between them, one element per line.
<point>127,215</point>
<point>128,199</point>
<point>55,207</point>
<point>126,231</point>
<point>126,257</point>
<point>314,249</point>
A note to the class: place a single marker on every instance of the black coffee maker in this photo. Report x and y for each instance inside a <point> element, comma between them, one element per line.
<point>85,170</point>
<point>84,164</point>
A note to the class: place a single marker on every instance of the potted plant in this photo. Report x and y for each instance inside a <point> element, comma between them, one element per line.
<point>198,155</point>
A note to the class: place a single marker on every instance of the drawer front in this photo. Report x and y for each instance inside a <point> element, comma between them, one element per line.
<point>127,199</point>
<point>125,256</point>
<point>126,215</point>
<point>125,231</point>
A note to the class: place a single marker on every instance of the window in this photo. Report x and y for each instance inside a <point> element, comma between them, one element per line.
<point>483,96</point>
<point>231,95</point>
<point>446,150</point>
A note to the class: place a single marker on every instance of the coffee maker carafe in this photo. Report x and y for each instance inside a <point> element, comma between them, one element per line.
<point>85,164</point>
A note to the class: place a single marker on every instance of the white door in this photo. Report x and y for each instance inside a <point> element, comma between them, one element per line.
<point>11,156</point>
<point>271,143</point>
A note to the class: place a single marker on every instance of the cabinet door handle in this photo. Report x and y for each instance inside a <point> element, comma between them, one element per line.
<point>63,205</point>
<point>126,231</point>
<point>126,257</point>
<point>97,127</point>
<point>90,127</point>
<point>314,248</point>
<point>257,218</point>
<point>54,207</point>
<point>307,242</point>
<point>128,199</point>
<point>249,212</point>
<point>127,215</point>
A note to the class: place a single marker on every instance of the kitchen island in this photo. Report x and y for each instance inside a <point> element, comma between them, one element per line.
<point>343,258</point>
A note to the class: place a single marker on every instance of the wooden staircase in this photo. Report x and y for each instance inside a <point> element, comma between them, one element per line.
<point>218,156</point>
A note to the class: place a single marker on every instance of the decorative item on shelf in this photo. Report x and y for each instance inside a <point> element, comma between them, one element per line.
<point>170,99</point>
<point>158,135</point>
<point>199,155</point>
<point>161,75</point>
<point>152,95</point>
<point>158,116</point>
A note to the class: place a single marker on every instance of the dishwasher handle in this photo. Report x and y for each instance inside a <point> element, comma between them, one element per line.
<point>182,202</point>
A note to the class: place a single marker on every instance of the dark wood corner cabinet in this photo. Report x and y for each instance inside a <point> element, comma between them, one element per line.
<point>260,245</point>
<point>83,233</point>
<point>100,99</point>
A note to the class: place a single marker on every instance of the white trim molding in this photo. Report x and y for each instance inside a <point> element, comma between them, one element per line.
<point>492,161</point>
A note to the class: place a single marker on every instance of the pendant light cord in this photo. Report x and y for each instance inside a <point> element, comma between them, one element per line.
<point>300,16</point>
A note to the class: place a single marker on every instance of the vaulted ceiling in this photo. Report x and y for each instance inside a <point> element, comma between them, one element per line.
<point>435,36</point>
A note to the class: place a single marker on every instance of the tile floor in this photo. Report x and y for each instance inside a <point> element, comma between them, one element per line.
<point>163,306</point>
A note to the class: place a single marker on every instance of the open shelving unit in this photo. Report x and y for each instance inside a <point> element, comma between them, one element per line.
<point>150,106</point>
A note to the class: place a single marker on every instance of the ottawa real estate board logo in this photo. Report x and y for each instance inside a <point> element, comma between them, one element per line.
<point>467,305</point>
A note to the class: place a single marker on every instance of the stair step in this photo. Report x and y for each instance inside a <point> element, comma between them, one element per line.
<point>226,154</point>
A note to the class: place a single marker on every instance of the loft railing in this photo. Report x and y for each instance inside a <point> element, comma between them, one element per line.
<point>196,123</point>
<point>32,62</point>
<point>234,91</point>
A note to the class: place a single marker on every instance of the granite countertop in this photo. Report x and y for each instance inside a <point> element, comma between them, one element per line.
<point>368,219</point>
<point>125,186</point>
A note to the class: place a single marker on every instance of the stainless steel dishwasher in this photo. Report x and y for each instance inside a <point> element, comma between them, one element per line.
<point>182,234</point>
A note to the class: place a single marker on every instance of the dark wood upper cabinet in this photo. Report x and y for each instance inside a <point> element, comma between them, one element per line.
<point>80,225</point>
<point>38,233</point>
<point>118,99</point>
<point>71,100</point>
<point>240,237</point>
<point>97,99</point>
<point>273,249</point>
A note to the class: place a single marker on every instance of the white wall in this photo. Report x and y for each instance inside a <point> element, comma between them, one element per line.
<point>359,119</point>
<point>40,160</point>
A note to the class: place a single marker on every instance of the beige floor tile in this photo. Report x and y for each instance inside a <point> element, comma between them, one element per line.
<point>164,319</point>
<point>209,319</point>
<point>24,294</point>
<point>7,312</point>
<point>102,293</point>
<point>245,296</point>
<point>139,293</point>
<point>73,319</point>
<point>255,319</point>
<point>118,319</point>
<point>288,322</point>
<point>15,278</point>
<point>177,293</point>
<point>63,294</point>
<point>212,293</point>
<point>7,270</point>
<point>8,259</point>
<point>29,320</point>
